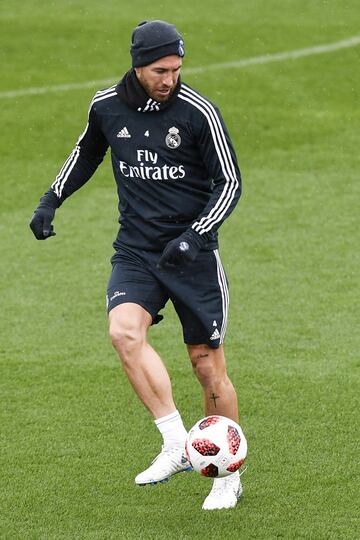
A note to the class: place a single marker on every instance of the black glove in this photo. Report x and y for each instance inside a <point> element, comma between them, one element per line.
<point>44,215</point>
<point>183,250</point>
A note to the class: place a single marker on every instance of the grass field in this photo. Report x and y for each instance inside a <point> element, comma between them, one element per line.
<point>73,435</point>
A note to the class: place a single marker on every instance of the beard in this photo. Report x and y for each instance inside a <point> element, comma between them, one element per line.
<point>153,93</point>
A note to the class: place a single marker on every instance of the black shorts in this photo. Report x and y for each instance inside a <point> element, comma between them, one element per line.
<point>199,292</point>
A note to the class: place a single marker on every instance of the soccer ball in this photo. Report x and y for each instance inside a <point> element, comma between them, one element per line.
<point>216,446</point>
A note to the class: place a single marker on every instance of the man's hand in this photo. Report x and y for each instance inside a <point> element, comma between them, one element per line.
<point>183,250</point>
<point>40,223</point>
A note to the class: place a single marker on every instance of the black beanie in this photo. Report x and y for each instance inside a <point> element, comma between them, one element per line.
<point>152,40</point>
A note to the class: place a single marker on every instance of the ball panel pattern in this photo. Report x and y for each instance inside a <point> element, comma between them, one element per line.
<point>233,439</point>
<point>209,421</point>
<point>211,470</point>
<point>235,466</point>
<point>205,447</point>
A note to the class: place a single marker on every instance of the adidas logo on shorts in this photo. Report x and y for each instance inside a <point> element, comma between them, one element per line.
<point>215,335</point>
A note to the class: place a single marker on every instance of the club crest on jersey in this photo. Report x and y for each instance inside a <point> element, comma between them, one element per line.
<point>173,139</point>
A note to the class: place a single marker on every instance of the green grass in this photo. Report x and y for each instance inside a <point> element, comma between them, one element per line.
<point>73,435</point>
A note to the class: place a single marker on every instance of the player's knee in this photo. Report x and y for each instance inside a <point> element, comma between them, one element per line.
<point>208,375</point>
<point>206,369</point>
<point>126,339</point>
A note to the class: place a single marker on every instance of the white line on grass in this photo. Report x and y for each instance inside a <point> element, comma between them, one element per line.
<point>264,59</point>
<point>278,57</point>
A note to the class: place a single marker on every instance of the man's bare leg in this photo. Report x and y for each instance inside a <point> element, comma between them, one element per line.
<point>128,326</point>
<point>219,398</point>
<point>210,368</point>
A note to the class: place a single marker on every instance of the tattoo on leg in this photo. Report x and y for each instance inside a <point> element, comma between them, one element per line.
<point>205,355</point>
<point>214,397</point>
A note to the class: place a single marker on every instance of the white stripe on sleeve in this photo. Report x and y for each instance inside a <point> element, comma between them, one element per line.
<point>61,178</point>
<point>224,155</point>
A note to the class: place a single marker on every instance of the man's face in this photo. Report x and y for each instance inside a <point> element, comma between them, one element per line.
<point>159,79</point>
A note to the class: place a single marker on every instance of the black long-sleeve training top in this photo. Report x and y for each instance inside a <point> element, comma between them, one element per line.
<point>174,165</point>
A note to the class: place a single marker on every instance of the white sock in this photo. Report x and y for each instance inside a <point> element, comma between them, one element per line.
<point>172,429</point>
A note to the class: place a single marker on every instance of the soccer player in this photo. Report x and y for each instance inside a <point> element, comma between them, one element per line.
<point>177,180</point>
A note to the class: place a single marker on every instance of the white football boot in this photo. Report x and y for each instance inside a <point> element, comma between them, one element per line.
<point>225,493</point>
<point>170,461</point>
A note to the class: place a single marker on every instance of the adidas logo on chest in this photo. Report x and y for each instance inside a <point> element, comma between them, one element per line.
<point>123,133</point>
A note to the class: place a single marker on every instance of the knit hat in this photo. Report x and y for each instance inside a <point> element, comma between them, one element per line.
<point>152,40</point>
